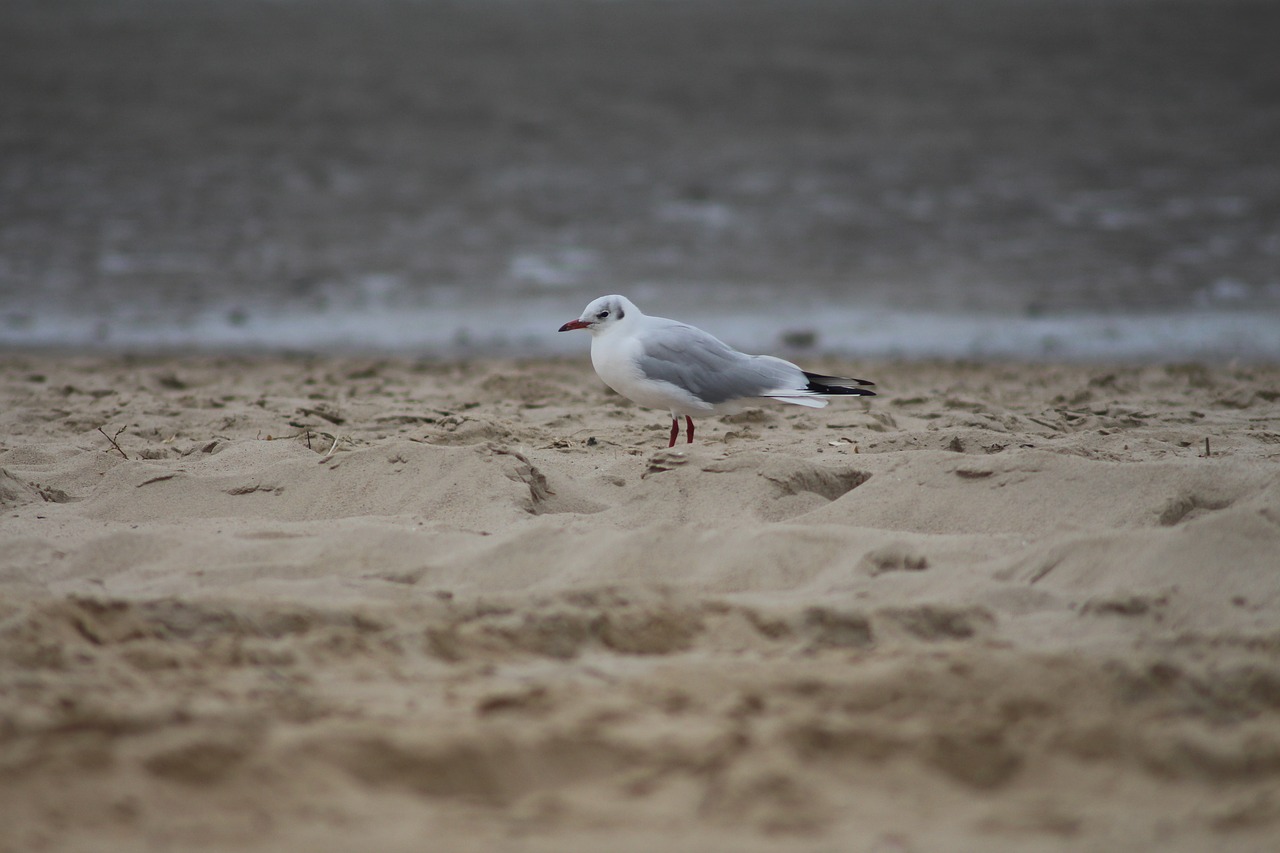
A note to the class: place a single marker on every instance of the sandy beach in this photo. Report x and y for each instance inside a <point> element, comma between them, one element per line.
<point>335,603</point>
<point>471,601</point>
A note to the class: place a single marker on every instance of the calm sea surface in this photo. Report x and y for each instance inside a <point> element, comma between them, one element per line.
<point>1027,178</point>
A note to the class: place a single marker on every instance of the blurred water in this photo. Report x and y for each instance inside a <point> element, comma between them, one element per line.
<point>1055,178</point>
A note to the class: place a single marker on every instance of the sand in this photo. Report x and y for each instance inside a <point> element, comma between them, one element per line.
<point>361,603</point>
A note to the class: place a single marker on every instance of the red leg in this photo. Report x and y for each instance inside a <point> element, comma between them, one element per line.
<point>675,431</point>
<point>689,422</point>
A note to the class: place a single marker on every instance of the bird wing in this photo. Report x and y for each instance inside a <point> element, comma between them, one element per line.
<point>708,368</point>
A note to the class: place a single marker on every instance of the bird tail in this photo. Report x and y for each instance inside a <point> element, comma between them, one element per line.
<point>814,395</point>
<point>837,386</point>
<point>790,397</point>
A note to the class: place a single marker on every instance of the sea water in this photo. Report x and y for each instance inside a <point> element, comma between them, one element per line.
<point>916,178</point>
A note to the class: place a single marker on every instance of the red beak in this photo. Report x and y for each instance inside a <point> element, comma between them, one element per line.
<point>573,324</point>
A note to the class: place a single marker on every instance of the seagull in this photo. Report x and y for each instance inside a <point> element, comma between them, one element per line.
<point>666,364</point>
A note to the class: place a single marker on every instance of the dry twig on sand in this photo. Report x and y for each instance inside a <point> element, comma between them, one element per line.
<point>112,439</point>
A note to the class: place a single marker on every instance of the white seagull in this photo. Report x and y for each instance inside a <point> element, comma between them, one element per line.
<point>665,364</point>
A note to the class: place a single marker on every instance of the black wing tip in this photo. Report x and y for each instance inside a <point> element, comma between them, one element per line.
<point>823,379</point>
<point>837,385</point>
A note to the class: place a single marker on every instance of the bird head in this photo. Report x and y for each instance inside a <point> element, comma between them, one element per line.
<point>602,314</point>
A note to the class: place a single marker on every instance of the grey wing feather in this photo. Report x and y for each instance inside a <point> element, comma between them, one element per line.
<point>709,369</point>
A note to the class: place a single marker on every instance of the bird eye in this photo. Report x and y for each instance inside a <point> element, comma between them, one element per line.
<point>603,315</point>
